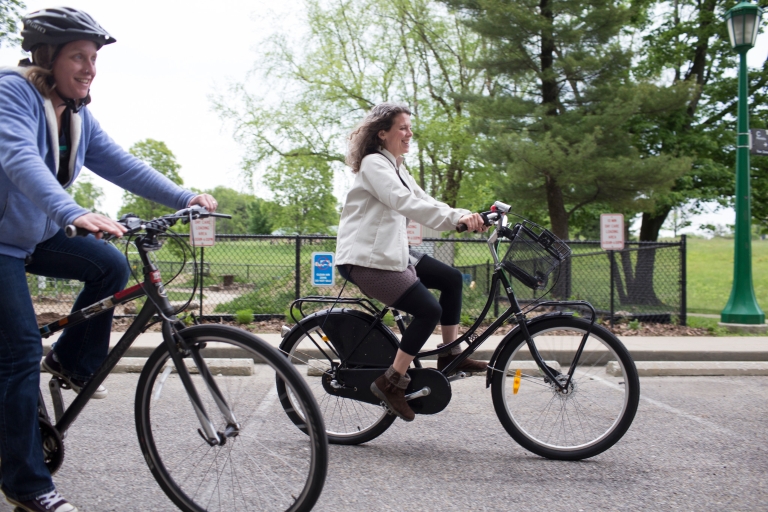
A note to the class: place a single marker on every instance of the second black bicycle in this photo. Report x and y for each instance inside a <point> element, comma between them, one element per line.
<point>563,386</point>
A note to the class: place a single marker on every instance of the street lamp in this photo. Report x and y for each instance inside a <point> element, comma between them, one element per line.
<point>742,308</point>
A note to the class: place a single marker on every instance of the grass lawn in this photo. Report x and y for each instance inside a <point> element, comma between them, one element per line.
<point>710,273</point>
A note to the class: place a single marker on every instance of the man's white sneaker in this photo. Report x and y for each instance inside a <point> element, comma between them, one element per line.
<point>50,502</point>
<point>52,366</point>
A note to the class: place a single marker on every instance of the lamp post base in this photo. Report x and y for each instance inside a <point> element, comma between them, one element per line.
<point>745,328</point>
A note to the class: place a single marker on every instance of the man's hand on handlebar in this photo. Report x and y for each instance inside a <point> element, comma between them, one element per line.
<point>207,201</point>
<point>99,224</point>
<point>474,222</point>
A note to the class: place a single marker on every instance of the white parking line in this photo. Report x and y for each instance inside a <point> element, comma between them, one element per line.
<point>669,408</point>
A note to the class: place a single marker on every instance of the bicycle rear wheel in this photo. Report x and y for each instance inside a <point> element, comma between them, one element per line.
<point>592,414</point>
<point>347,421</point>
<point>267,465</point>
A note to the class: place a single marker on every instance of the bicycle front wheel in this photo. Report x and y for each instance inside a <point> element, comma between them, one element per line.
<point>267,464</point>
<point>585,419</point>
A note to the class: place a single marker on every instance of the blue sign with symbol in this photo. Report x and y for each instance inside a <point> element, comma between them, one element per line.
<point>323,273</point>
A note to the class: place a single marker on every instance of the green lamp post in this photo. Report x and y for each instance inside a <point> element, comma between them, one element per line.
<point>742,308</point>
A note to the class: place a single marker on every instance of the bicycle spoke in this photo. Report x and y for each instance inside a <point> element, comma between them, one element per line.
<point>579,419</point>
<point>264,464</point>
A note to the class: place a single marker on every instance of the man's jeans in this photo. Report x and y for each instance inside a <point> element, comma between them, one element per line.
<point>80,349</point>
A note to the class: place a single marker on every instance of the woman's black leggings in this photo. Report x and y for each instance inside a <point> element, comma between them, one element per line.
<point>425,309</point>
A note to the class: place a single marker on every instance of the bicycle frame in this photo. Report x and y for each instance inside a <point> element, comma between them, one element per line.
<point>473,340</point>
<point>157,302</point>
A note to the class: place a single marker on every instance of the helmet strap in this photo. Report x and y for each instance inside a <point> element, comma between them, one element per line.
<point>76,105</point>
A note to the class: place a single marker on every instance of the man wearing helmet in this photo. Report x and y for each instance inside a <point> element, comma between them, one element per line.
<point>46,136</point>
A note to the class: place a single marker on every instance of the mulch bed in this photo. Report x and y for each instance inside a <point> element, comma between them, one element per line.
<point>274,326</point>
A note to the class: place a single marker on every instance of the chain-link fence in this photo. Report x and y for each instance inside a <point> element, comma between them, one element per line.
<point>263,274</point>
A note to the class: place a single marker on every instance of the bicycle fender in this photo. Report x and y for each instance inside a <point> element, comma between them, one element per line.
<point>511,335</point>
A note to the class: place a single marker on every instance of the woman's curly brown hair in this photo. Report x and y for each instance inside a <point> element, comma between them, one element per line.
<point>364,140</point>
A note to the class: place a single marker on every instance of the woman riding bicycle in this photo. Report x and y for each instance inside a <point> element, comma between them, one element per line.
<point>372,246</point>
<point>47,134</point>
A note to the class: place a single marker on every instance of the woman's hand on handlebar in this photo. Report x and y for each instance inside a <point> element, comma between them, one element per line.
<point>99,224</point>
<point>207,201</point>
<point>474,222</point>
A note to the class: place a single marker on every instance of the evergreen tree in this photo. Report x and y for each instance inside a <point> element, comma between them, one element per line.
<point>556,118</point>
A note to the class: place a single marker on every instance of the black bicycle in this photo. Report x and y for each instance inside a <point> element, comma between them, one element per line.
<point>547,376</point>
<point>228,447</point>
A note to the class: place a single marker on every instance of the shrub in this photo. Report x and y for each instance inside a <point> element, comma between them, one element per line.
<point>244,316</point>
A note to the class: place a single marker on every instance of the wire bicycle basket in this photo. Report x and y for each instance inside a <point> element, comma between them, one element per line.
<point>534,254</point>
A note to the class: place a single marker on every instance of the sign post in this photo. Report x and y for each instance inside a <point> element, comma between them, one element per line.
<point>202,234</point>
<point>612,231</point>
<point>323,273</point>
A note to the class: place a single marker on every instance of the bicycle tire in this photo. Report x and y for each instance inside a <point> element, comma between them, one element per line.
<point>595,412</point>
<point>347,421</point>
<point>263,467</point>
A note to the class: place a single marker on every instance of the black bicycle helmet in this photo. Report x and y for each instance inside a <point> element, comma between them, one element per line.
<point>61,25</point>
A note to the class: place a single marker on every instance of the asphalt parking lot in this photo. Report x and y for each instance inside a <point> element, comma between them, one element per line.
<point>696,442</point>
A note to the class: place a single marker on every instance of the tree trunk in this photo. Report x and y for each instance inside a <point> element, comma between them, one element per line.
<point>639,280</point>
<point>452,183</point>
<point>558,216</point>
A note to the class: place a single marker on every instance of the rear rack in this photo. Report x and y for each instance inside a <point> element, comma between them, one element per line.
<point>364,303</point>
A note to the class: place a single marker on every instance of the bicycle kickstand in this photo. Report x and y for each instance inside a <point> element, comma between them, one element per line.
<point>58,401</point>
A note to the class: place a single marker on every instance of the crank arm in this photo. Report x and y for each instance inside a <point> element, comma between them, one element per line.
<point>457,376</point>
<point>425,391</point>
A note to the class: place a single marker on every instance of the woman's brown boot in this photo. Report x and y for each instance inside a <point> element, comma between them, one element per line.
<point>390,389</point>
<point>468,365</point>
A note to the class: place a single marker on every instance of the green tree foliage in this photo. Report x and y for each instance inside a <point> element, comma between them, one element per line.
<point>259,220</point>
<point>556,117</point>
<point>250,214</point>
<point>157,155</point>
<point>358,53</point>
<point>232,203</point>
<point>759,182</point>
<point>690,46</point>
<point>86,193</point>
<point>304,193</point>
<point>11,12</point>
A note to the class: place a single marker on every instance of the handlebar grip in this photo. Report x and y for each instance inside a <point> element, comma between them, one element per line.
<point>461,227</point>
<point>72,231</point>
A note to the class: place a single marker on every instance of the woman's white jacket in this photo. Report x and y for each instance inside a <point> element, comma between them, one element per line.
<point>372,230</point>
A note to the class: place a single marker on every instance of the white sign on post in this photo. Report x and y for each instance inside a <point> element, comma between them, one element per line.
<point>203,233</point>
<point>414,233</point>
<point>612,231</point>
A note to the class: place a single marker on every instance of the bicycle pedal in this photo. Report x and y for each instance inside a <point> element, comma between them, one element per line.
<point>389,411</point>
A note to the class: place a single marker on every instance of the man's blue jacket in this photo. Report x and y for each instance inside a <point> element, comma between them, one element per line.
<point>33,204</point>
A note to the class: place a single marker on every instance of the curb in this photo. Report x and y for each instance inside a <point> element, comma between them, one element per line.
<point>217,366</point>
<point>693,369</point>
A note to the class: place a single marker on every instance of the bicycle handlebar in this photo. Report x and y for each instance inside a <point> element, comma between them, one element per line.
<point>134,223</point>
<point>498,210</point>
